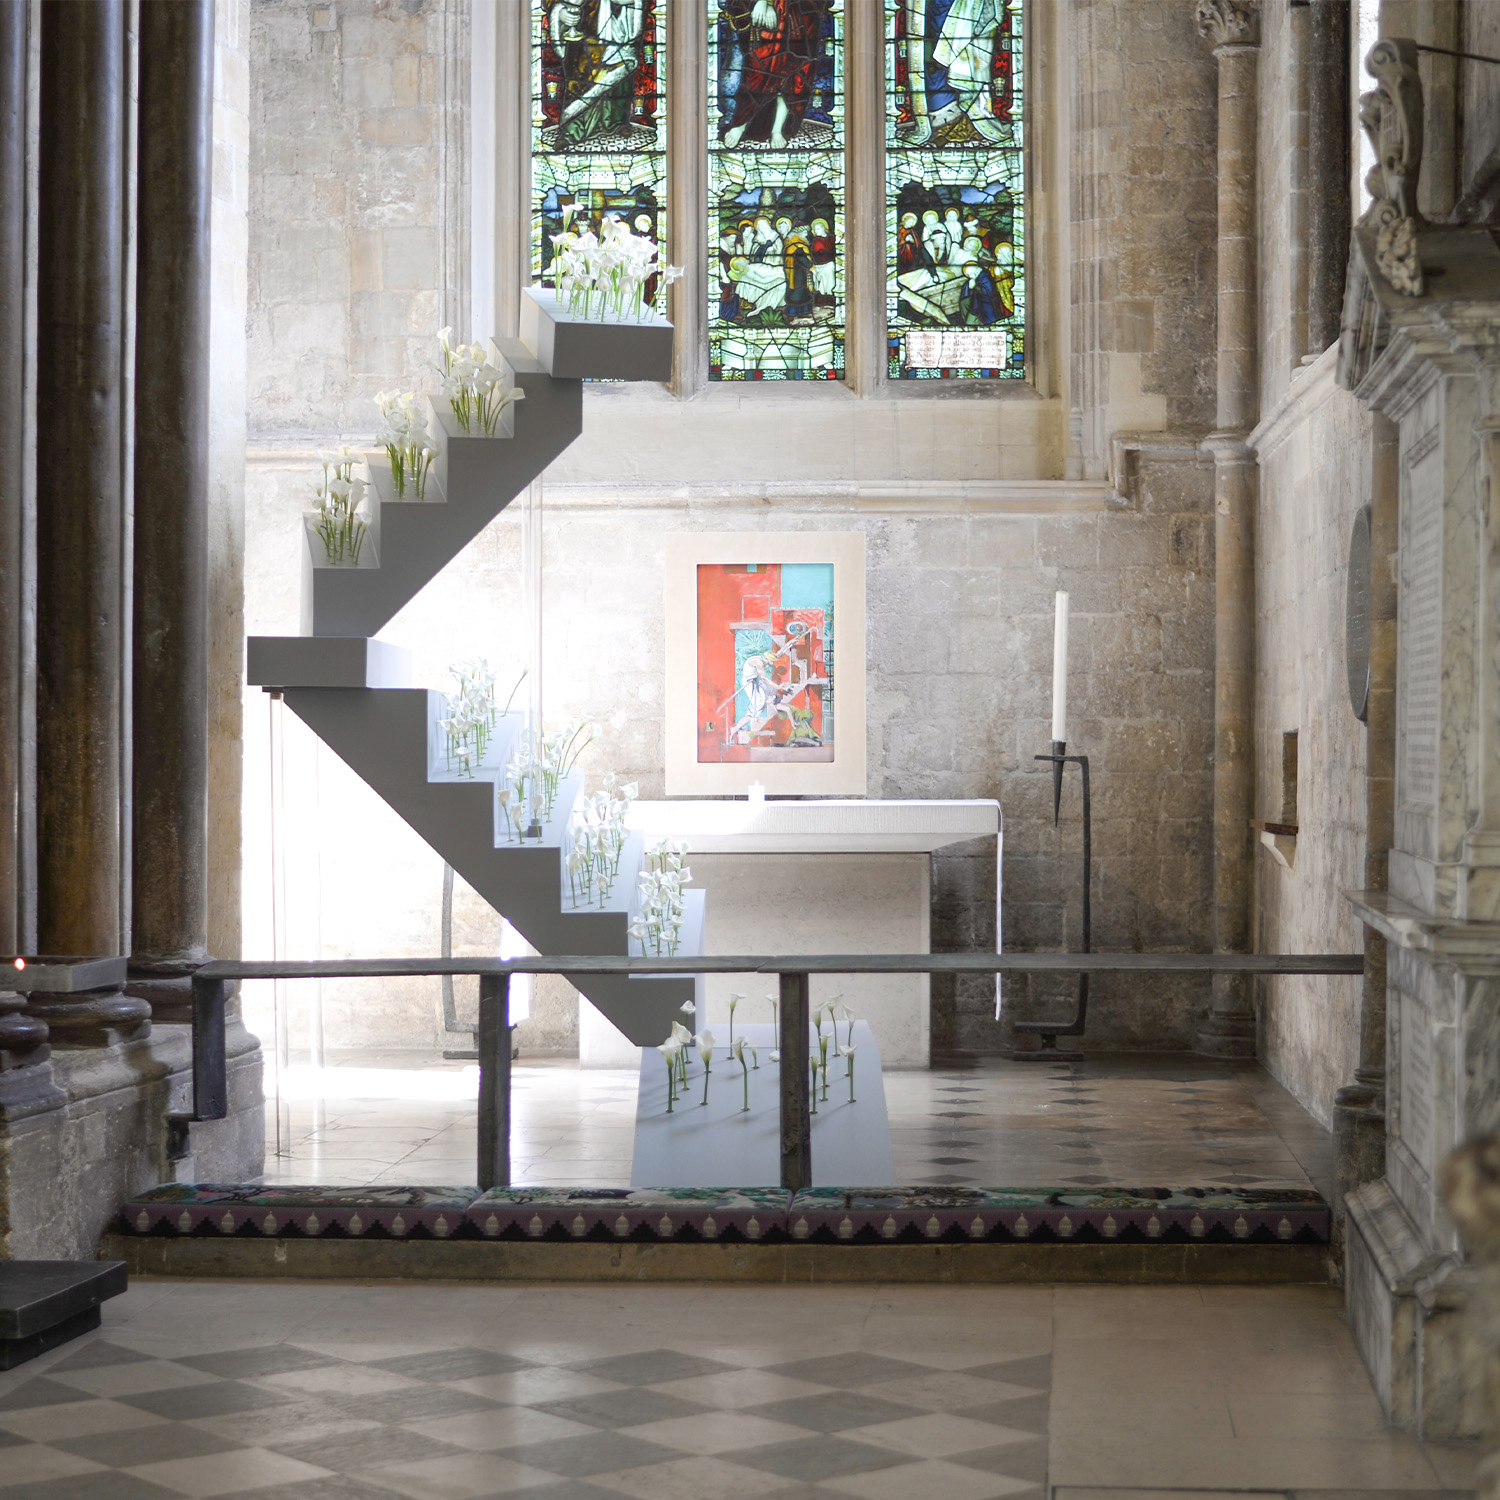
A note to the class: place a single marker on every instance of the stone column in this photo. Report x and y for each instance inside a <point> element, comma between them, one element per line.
<point>79,506</point>
<point>1233,29</point>
<point>1328,131</point>
<point>169,887</point>
<point>12,450</point>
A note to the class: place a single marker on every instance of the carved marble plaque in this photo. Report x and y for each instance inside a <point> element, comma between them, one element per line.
<point>1417,1086</point>
<point>1357,616</point>
<point>1419,654</point>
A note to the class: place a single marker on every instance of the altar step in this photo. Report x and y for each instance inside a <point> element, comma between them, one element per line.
<point>1188,1235</point>
<point>354,691</point>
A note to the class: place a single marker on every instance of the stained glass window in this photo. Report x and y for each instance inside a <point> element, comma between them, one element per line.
<point>598,137</point>
<point>955,190</point>
<point>776,189</point>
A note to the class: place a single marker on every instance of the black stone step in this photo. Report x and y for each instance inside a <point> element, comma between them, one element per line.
<point>44,1303</point>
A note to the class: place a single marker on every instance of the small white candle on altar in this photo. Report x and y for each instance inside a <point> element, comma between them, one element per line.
<point>1060,671</point>
<point>757,792</point>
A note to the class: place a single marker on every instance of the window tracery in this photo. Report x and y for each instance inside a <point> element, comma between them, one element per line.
<point>776,189</point>
<point>598,120</point>
<point>950,155</point>
<point>955,190</point>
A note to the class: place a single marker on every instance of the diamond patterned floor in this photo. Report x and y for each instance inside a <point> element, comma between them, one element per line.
<point>1131,1121</point>
<point>373,1391</point>
<point>109,1422</point>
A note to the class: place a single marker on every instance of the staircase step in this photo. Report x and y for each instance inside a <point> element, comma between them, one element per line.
<point>386,738</point>
<point>325,661</point>
<point>472,480</point>
<point>569,348</point>
<point>391,739</point>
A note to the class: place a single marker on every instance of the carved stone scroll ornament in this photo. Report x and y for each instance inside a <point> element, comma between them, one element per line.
<point>1391,114</point>
<point>1229,23</point>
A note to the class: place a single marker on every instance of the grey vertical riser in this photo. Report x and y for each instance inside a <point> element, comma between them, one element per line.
<point>382,490</point>
<point>315,564</point>
<point>419,539</point>
<point>382,737</point>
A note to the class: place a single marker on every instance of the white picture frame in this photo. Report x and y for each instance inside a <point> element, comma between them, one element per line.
<point>702,749</point>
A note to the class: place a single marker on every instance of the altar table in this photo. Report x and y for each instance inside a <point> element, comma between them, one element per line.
<point>816,876</point>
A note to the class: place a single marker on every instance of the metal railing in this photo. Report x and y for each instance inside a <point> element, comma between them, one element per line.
<point>211,992</point>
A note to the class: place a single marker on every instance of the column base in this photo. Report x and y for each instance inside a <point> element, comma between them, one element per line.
<point>165,985</point>
<point>1410,1312</point>
<point>1358,1151</point>
<point>23,1037</point>
<point>92,1018</point>
<point>83,1131</point>
<point>1231,1038</point>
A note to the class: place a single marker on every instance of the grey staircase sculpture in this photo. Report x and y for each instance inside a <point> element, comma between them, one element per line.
<point>353,690</point>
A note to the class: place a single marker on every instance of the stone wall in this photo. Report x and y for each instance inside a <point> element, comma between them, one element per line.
<point>360,188</point>
<point>1283,199</point>
<point>1314,454</point>
<point>354,261</point>
<point>1143,101</point>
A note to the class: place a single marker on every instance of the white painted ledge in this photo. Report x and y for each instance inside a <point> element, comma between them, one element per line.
<point>826,826</point>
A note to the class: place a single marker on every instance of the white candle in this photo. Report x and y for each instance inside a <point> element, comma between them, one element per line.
<point>757,792</point>
<point>1060,671</point>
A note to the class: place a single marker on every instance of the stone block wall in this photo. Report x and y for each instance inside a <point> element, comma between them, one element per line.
<point>359,181</point>
<point>1315,475</point>
<point>1142,92</point>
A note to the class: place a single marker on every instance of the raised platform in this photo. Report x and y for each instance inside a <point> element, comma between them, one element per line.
<point>698,1145</point>
<point>749,1234</point>
<point>471,1260</point>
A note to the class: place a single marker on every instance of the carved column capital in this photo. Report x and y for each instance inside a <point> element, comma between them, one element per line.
<point>1229,23</point>
<point>1392,116</point>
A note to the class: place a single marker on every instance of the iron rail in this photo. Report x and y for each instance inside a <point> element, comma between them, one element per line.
<point>212,982</point>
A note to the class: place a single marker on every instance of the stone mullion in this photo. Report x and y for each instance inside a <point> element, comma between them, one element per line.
<point>170,638</point>
<point>80,502</point>
<point>864,195</point>
<point>512,126</point>
<point>13,56</point>
<point>686,78</point>
<point>1327,169</point>
<point>1232,27</point>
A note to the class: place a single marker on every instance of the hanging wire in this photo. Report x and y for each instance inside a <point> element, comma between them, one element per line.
<point>1467,56</point>
<point>280,1019</point>
<point>276,998</point>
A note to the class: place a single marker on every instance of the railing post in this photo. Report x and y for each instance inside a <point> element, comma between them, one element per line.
<point>796,1124</point>
<point>210,1082</point>
<point>494,1081</point>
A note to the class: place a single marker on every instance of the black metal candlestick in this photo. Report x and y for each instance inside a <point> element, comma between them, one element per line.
<point>1049,1031</point>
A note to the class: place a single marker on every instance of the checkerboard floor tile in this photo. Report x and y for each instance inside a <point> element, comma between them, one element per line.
<point>1131,1121</point>
<point>111,1422</point>
<point>699,1392</point>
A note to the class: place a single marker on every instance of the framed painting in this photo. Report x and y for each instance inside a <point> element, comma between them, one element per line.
<point>766,663</point>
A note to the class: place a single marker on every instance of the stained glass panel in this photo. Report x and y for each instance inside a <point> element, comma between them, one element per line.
<point>776,189</point>
<point>955,190</point>
<point>598,136</point>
